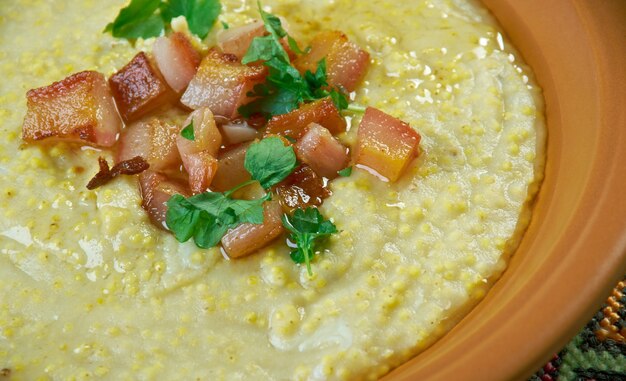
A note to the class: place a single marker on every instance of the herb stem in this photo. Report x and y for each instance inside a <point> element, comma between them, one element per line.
<point>242,185</point>
<point>356,108</point>
<point>307,260</point>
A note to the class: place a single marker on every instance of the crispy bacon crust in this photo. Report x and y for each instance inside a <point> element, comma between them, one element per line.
<point>139,88</point>
<point>78,108</point>
<point>294,124</point>
<point>222,84</point>
<point>133,166</point>
<point>301,189</point>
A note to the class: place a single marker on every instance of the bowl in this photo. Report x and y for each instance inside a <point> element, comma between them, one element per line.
<point>575,247</point>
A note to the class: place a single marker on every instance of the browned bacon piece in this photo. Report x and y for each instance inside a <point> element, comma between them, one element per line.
<point>79,108</point>
<point>238,131</point>
<point>294,124</point>
<point>322,152</point>
<point>230,169</point>
<point>301,189</point>
<point>176,59</point>
<point>127,167</point>
<point>139,88</point>
<point>156,189</point>
<point>154,140</point>
<point>385,144</point>
<point>236,40</point>
<point>199,155</point>
<point>222,84</point>
<point>247,238</point>
<point>346,63</point>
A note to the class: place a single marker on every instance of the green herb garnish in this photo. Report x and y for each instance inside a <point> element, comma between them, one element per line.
<point>148,18</point>
<point>285,88</point>
<point>188,132</point>
<point>225,25</point>
<point>346,172</point>
<point>307,228</point>
<point>206,217</point>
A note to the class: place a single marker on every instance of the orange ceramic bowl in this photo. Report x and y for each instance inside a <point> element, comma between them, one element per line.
<point>575,247</point>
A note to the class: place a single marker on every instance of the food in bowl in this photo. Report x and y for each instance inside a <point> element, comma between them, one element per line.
<point>93,288</point>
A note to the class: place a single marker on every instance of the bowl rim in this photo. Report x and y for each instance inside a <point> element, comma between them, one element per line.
<point>577,52</point>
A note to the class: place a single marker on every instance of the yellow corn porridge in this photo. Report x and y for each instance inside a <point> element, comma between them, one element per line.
<point>89,288</point>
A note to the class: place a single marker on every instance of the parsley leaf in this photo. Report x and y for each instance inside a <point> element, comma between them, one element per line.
<point>207,216</point>
<point>346,172</point>
<point>138,19</point>
<point>270,161</point>
<point>148,18</point>
<point>200,14</point>
<point>285,88</point>
<point>188,132</point>
<point>307,227</point>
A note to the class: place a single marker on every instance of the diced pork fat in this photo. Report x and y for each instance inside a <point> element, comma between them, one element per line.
<point>301,189</point>
<point>79,108</point>
<point>139,88</point>
<point>236,40</point>
<point>222,84</point>
<point>346,63</point>
<point>199,155</point>
<point>247,238</point>
<point>176,59</point>
<point>156,189</point>
<point>385,144</point>
<point>152,139</point>
<point>295,123</point>
<point>230,169</point>
<point>322,152</point>
<point>238,132</point>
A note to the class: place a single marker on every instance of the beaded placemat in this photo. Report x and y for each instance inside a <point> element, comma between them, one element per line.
<point>598,352</point>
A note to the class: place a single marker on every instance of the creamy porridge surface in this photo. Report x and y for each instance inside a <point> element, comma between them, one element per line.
<point>89,288</point>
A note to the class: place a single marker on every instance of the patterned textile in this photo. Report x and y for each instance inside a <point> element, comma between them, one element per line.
<point>598,352</point>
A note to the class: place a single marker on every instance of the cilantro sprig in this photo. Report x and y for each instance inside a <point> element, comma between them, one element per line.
<point>308,227</point>
<point>148,18</point>
<point>285,88</point>
<point>207,216</point>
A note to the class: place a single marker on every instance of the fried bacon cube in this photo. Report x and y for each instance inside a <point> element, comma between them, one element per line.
<point>155,190</point>
<point>247,238</point>
<point>385,144</point>
<point>139,88</point>
<point>222,84</point>
<point>295,123</point>
<point>78,108</point>
<point>321,151</point>
<point>199,155</point>
<point>346,63</point>
<point>152,139</point>
<point>176,59</point>
<point>301,189</point>
<point>236,40</point>
<point>230,169</point>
